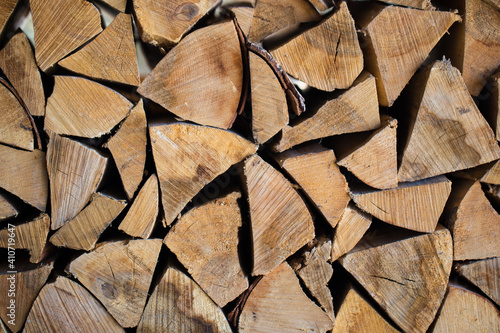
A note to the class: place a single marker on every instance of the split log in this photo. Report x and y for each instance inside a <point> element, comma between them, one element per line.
<point>465,311</point>
<point>65,306</point>
<point>188,157</point>
<point>356,110</point>
<point>492,175</point>
<point>6,9</point>
<point>111,56</point>
<point>76,108</point>
<point>180,305</point>
<point>415,206</point>
<point>83,231</point>
<point>31,236</point>
<point>214,73</point>
<point>278,304</point>
<point>120,5</point>
<point>119,275</point>
<point>27,286</point>
<point>409,290</point>
<point>141,217</point>
<point>19,66</point>
<point>25,175</point>
<point>128,148</point>
<point>6,209</point>
<point>244,17</point>
<point>330,56</point>
<point>74,171</point>
<point>281,223</point>
<point>473,222</point>
<point>448,131</point>
<point>182,15</point>
<point>205,241</point>
<point>398,40</point>
<point>420,4</point>
<point>59,32</point>
<point>314,169</point>
<point>485,274</point>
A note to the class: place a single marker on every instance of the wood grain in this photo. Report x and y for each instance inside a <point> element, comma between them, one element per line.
<point>15,126</point>
<point>485,274</point>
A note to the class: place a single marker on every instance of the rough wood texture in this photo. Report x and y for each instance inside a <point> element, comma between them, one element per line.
<point>120,5</point>
<point>474,223</point>
<point>314,169</point>
<point>128,148</point>
<point>494,3</point>
<point>110,56</point>
<point>492,175</point>
<point>278,304</point>
<point>29,236</point>
<point>65,306</point>
<point>352,226</point>
<point>465,311</point>
<point>74,171</point>
<point>188,157</point>
<point>19,66</point>
<point>326,57</point>
<point>356,110</point>
<point>244,17</point>
<point>76,108</point>
<point>409,290</point>
<point>141,217</point>
<point>375,161</point>
<point>281,223</point>
<point>415,206</point>
<point>205,240</point>
<point>182,15</point>
<point>6,9</point>
<point>356,315</point>
<point>59,32</point>
<point>180,305</point>
<point>82,232</point>
<point>214,73</point>
<point>449,133</point>
<point>15,126</point>
<point>271,16</point>
<point>27,175</point>
<point>6,209</point>
<point>119,275</point>
<point>420,4</point>
<point>269,106</point>
<point>398,41</point>
<point>485,274</point>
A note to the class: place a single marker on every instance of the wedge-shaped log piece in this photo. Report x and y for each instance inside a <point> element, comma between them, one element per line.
<point>314,169</point>
<point>281,222</point>
<point>15,126</point>
<point>214,74</point>
<point>278,304</point>
<point>65,306</point>
<point>81,107</point>
<point>420,4</point>
<point>327,57</point>
<point>59,32</point>
<point>269,106</point>
<point>408,278</point>
<point>6,209</point>
<point>25,175</point>
<point>119,275</point>
<point>6,9</point>
<point>244,17</point>
<point>485,274</point>
<point>110,56</point>
<point>356,110</point>
<point>164,22</point>
<point>141,217</point>
<point>178,304</point>
<point>188,157</point>
<point>82,232</point>
<point>273,15</point>
<point>29,236</point>
<point>19,65</point>
<point>474,223</point>
<point>492,176</point>
<point>128,147</point>
<point>466,311</point>
<point>448,133</point>
<point>375,161</point>
<point>74,170</point>
<point>398,41</point>
<point>28,284</point>
<point>120,5</point>
<point>205,241</point>
<point>352,226</point>
<point>357,315</point>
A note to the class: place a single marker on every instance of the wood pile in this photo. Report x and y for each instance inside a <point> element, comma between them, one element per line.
<point>250,166</point>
